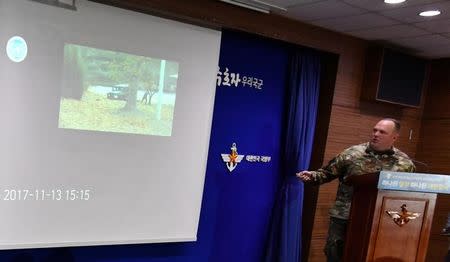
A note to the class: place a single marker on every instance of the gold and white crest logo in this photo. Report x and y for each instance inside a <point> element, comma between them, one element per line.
<point>231,160</point>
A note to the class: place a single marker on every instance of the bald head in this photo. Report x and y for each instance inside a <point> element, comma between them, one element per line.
<point>396,123</point>
<point>384,134</point>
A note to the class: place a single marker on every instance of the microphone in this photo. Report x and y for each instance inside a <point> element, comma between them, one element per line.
<point>423,164</point>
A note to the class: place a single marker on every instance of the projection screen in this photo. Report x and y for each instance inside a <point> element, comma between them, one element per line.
<point>106,117</point>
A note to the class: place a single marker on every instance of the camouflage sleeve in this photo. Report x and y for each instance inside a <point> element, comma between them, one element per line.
<point>411,167</point>
<point>334,169</point>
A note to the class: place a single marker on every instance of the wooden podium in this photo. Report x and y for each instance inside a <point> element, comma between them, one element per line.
<point>389,225</point>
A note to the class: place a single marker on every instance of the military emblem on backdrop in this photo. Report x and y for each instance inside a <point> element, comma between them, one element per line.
<point>232,159</point>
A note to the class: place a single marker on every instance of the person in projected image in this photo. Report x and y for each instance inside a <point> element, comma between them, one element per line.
<point>149,91</point>
<point>376,155</point>
<point>146,97</point>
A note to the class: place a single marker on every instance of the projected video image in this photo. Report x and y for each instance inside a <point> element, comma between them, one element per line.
<point>111,91</point>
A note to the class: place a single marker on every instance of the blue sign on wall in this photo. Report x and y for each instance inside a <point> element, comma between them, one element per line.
<point>419,182</point>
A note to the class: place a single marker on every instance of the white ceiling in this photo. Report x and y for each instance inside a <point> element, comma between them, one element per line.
<point>398,25</point>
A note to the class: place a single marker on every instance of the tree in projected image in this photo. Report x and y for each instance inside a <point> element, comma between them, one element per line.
<point>137,72</point>
<point>74,70</point>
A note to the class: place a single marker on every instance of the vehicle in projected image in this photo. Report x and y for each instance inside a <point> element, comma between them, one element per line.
<point>118,92</point>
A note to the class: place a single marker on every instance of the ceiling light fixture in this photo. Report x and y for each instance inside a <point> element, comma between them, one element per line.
<point>430,13</point>
<point>393,2</point>
<point>248,6</point>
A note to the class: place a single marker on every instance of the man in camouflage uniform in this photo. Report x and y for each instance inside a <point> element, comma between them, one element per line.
<point>376,155</point>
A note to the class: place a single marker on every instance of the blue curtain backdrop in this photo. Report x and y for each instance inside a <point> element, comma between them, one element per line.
<point>250,116</point>
<point>236,207</point>
<point>284,243</point>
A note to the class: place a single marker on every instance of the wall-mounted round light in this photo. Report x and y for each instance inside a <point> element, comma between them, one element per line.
<point>394,1</point>
<point>430,13</point>
<point>16,49</point>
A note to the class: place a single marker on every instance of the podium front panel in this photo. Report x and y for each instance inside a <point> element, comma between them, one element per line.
<point>401,226</point>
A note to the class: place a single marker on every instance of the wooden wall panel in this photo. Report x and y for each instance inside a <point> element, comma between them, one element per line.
<point>437,104</point>
<point>346,91</point>
<point>434,148</point>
